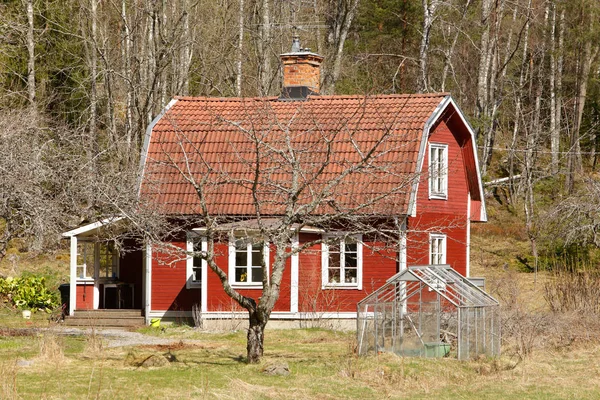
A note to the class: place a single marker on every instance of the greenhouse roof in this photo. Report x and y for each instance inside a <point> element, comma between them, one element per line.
<point>444,280</point>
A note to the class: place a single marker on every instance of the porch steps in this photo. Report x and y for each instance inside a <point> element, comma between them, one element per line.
<point>105,318</point>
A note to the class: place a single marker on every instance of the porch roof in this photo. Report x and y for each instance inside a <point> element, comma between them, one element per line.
<point>93,229</point>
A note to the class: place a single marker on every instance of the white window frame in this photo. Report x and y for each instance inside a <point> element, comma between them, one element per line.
<point>190,283</point>
<point>91,271</point>
<point>437,241</point>
<point>438,171</point>
<point>115,260</point>
<point>232,260</point>
<point>86,250</point>
<point>327,239</point>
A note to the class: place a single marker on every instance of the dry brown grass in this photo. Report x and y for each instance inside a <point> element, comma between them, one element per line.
<point>51,348</point>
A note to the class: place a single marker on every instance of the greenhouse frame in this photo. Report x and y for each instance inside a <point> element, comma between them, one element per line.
<point>429,311</point>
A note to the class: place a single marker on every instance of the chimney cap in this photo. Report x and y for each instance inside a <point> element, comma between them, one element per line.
<point>298,50</point>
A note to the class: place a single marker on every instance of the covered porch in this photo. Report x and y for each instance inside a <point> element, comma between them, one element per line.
<point>104,276</point>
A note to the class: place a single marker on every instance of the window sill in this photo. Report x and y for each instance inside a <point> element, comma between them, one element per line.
<point>346,286</point>
<point>246,286</point>
<point>438,197</point>
<point>195,285</point>
<point>85,280</point>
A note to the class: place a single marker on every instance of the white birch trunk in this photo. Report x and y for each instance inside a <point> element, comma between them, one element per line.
<point>239,55</point>
<point>429,8</point>
<point>93,68</point>
<point>31,56</point>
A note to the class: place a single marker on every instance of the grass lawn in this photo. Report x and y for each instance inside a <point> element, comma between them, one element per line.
<point>321,362</point>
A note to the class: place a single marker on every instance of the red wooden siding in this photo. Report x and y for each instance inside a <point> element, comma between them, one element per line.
<point>85,296</point>
<point>378,266</point>
<point>447,216</point>
<point>219,301</point>
<point>168,281</point>
<point>455,230</point>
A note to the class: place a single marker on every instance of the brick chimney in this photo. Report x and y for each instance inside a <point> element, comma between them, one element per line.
<point>301,72</point>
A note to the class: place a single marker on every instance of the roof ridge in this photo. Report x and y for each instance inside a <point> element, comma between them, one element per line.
<point>316,97</point>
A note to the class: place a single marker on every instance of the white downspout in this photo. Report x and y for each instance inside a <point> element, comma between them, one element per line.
<point>73,276</point>
<point>294,261</point>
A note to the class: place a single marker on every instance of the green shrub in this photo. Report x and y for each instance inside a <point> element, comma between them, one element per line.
<point>28,292</point>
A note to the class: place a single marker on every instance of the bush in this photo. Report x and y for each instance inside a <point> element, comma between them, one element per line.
<point>29,293</point>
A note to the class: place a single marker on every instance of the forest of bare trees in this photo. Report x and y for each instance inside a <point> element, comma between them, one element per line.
<point>87,76</point>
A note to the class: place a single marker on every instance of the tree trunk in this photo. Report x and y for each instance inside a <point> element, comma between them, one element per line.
<point>518,101</point>
<point>554,131</point>
<point>93,68</point>
<point>238,77</point>
<point>429,8</point>
<point>265,73</point>
<point>256,336</point>
<point>338,32</point>
<point>485,60</point>
<point>448,54</point>
<point>574,161</point>
<point>31,56</point>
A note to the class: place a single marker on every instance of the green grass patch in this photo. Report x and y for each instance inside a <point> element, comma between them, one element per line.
<point>321,362</point>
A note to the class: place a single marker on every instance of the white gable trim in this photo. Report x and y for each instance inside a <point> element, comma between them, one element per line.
<point>90,227</point>
<point>433,118</point>
<point>147,138</point>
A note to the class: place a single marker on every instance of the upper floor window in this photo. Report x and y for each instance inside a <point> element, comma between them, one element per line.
<point>246,257</point>
<point>195,264</point>
<point>342,261</point>
<point>438,171</point>
<point>437,248</point>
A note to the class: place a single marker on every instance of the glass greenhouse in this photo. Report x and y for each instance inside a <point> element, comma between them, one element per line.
<point>429,311</point>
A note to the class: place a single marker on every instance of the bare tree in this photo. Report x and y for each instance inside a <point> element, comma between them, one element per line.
<point>285,178</point>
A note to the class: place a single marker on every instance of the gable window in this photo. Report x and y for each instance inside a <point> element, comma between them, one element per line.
<point>438,171</point>
<point>246,257</point>
<point>194,263</point>
<point>341,260</point>
<point>437,248</point>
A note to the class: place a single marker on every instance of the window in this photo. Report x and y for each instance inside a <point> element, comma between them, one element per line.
<point>246,256</point>
<point>342,262</point>
<point>438,171</point>
<point>102,257</point>
<point>194,263</point>
<point>108,260</point>
<point>437,248</point>
<point>85,260</point>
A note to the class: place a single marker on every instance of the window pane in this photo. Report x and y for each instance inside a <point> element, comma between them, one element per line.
<point>196,274</point>
<point>334,275</point>
<point>241,258</point>
<point>257,275</point>
<point>241,275</point>
<point>257,256</point>
<point>350,247</point>
<point>350,275</point>
<point>334,261</point>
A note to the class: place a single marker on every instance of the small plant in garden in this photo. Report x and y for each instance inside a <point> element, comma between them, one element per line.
<point>28,293</point>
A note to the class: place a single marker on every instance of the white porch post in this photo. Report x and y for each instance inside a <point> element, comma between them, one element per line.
<point>73,276</point>
<point>148,282</point>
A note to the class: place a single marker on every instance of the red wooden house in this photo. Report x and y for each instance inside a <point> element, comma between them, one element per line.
<point>422,175</point>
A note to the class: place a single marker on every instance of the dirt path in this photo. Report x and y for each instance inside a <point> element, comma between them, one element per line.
<point>120,338</point>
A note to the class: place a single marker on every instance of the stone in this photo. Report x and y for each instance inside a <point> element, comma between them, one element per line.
<point>281,369</point>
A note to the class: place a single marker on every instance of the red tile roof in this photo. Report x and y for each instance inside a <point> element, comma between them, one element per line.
<point>218,142</point>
